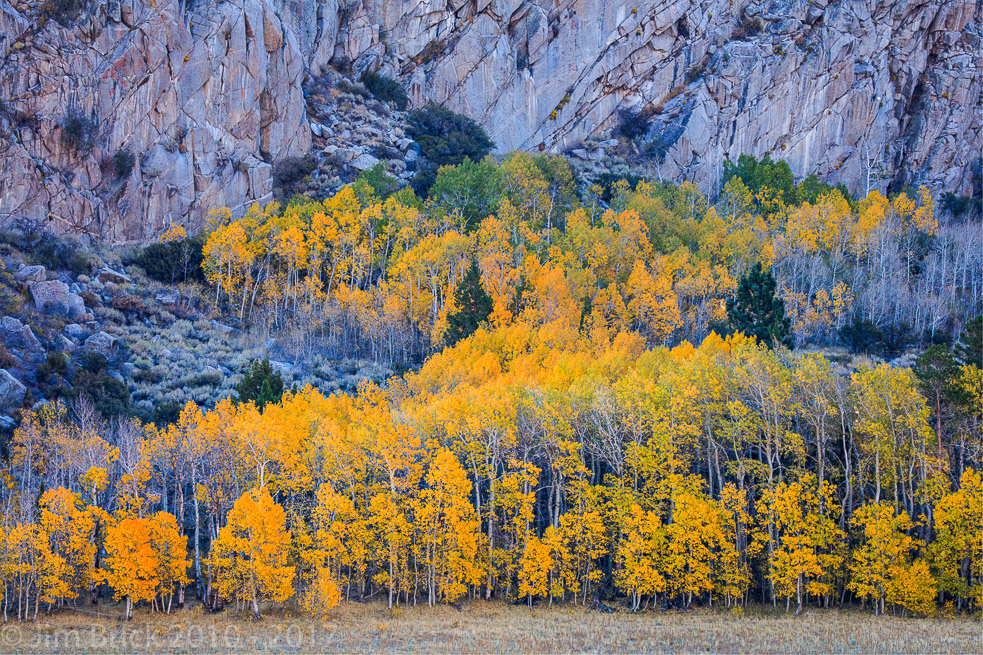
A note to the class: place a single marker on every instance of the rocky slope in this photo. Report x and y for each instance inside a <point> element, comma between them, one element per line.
<point>133,344</point>
<point>208,95</point>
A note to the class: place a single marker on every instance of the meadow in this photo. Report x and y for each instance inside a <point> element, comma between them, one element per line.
<point>491,627</point>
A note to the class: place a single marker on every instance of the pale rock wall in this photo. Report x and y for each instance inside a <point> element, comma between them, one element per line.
<point>859,91</point>
<point>839,89</point>
<point>196,95</point>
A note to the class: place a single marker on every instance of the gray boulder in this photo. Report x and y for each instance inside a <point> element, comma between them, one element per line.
<point>31,274</point>
<point>107,274</point>
<point>221,328</point>
<point>105,344</point>
<point>283,368</point>
<point>65,344</point>
<point>55,294</point>
<point>17,336</point>
<point>12,392</point>
<point>168,297</point>
<point>75,332</point>
<point>364,162</point>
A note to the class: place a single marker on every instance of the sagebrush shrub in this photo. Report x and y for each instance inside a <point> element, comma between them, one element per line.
<point>633,124</point>
<point>290,172</point>
<point>55,364</point>
<point>110,396</point>
<point>78,131</point>
<point>63,11</point>
<point>386,89</point>
<point>59,254</point>
<point>123,162</point>
<point>7,359</point>
<point>747,28</point>
<point>126,303</point>
<point>174,261</point>
<point>447,137</point>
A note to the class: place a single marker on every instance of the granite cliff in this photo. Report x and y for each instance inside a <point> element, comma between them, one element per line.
<point>835,87</point>
<point>209,96</point>
<point>200,100</point>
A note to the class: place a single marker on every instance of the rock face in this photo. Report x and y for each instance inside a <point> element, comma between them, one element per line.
<point>206,95</point>
<point>201,95</point>
<point>838,89</point>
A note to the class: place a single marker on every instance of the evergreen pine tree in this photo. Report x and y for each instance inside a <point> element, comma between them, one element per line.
<point>473,304</point>
<point>860,335</point>
<point>938,376</point>
<point>757,311</point>
<point>520,296</point>
<point>969,349</point>
<point>261,384</point>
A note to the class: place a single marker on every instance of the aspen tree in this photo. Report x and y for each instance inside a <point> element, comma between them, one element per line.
<point>250,556</point>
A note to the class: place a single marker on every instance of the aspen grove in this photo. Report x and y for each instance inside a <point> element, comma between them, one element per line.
<point>518,467</point>
<point>594,440</point>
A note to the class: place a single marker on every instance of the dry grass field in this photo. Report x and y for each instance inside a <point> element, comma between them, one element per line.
<point>490,628</point>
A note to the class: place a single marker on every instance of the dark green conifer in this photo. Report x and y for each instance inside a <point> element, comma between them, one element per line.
<point>473,304</point>
<point>261,384</point>
<point>969,348</point>
<point>757,311</point>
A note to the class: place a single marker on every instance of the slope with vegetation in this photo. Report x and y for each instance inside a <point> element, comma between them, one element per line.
<point>527,466</point>
<point>560,439</point>
<point>131,340</point>
<point>371,270</point>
